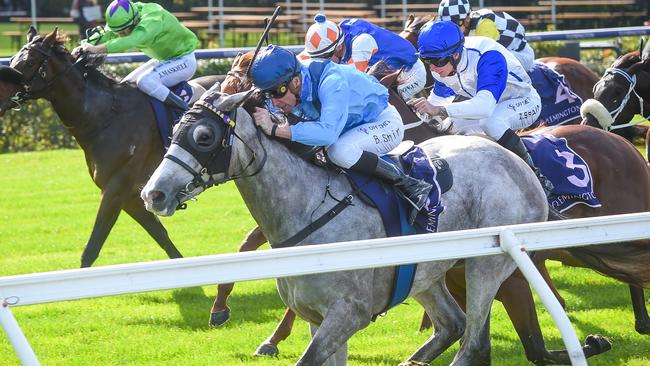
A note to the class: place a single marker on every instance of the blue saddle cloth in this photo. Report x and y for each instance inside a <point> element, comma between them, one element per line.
<point>394,212</point>
<point>559,103</point>
<point>570,175</point>
<point>168,116</point>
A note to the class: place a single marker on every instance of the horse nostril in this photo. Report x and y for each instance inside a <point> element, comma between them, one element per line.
<point>156,196</point>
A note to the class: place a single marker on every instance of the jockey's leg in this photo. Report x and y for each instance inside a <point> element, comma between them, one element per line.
<point>156,83</point>
<point>516,114</point>
<point>359,149</point>
<point>526,57</point>
<point>141,70</point>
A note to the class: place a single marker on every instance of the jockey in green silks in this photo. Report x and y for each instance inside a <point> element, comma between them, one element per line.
<point>153,30</point>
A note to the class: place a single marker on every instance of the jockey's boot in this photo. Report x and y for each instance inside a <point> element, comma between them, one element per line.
<point>176,101</point>
<point>414,191</point>
<point>512,142</point>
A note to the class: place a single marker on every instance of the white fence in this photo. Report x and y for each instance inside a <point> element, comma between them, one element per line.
<point>515,240</point>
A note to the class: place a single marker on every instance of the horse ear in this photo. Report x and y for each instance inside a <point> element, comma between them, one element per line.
<point>51,37</point>
<point>227,103</point>
<point>645,51</point>
<point>409,21</point>
<point>31,33</point>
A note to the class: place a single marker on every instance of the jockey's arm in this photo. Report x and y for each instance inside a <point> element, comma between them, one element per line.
<point>137,38</point>
<point>487,28</point>
<point>364,47</point>
<point>492,75</point>
<point>334,97</point>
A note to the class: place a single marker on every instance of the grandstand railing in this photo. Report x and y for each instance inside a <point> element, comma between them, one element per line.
<point>515,240</point>
<point>221,53</point>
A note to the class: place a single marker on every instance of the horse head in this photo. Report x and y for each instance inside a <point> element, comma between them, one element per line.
<point>412,28</point>
<point>621,93</point>
<point>236,79</point>
<point>200,153</point>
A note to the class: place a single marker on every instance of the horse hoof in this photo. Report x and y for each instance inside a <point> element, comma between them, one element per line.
<point>598,343</point>
<point>413,363</point>
<point>219,318</point>
<point>642,328</point>
<point>267,349</point>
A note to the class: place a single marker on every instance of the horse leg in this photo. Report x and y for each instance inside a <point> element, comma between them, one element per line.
<point>641,318</point>
<point>541,267</point>
<point>270,346</point>
<point>109,210</point>
<point>339,358</point>
<point>448,319</point>
<point>152,225</point>
<point>220,312</point>
<point>344,318</point>
<point>483,277</point>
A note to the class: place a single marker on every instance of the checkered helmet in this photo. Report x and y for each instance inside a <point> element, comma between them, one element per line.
<point>454,10</point>
<point>322,37</point>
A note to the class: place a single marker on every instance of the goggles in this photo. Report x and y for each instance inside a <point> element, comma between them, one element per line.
<point>436,61</point>
<point>277,92</point>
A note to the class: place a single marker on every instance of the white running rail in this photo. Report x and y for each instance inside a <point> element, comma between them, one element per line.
<point>515,240</point>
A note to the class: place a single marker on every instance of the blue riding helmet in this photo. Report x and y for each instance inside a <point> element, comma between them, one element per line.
<point>273,67</point>
<point>439,39</point>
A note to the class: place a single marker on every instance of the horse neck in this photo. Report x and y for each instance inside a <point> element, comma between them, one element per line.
<point>282,196</point>
<point>82,103</point>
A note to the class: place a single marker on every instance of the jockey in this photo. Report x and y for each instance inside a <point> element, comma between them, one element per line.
<point>501,97</point>
<point>500,26</point>
<point>156,32</point>
<point>363,44</point>
<point>342,109</point>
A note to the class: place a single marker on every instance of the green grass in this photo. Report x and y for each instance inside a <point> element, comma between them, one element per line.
<point>47,208</point>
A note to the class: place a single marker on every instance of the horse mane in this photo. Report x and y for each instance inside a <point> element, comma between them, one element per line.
<point>627,60</point>
<point>90,64</point>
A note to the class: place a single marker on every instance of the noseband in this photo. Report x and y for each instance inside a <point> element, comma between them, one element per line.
<point>631,80</point>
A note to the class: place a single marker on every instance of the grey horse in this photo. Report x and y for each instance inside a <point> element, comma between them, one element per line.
<point>284,192</point>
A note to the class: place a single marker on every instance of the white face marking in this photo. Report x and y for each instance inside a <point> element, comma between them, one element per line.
<point>170,178</point>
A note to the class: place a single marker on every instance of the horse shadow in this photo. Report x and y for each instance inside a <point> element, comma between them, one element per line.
<point>193,304</point>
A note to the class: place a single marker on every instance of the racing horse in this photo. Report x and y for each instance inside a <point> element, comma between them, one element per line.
<point>113,124</point>
<point>339,304</point>
<point>514,293</point>
<point>622,92</point>
<point>10,82</point>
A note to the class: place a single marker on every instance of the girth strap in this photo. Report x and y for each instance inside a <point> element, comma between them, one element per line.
<point>315,225</point>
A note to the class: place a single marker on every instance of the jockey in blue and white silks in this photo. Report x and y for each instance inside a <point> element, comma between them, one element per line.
<point>500,96</point>
<point>363,44</point>
<point>342,109</point>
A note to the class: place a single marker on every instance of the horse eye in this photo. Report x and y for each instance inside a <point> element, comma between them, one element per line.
<point>203,136</point>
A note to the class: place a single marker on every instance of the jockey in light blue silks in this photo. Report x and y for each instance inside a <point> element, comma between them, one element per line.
<point>343,109</point>
<point>501,97</point>
<point>363,44</point>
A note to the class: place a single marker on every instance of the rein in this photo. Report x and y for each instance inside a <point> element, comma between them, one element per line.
<point>631,79</point>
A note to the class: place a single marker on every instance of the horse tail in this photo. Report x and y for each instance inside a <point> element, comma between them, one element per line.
<point>627,262</point>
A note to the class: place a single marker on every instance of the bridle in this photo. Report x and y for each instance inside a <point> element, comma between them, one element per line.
<point>631,80</point>
<point>204,178</point>
<point>27,91</point>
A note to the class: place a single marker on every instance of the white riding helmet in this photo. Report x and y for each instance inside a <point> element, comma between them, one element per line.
<point>454,10</point>
<point>322,37</point>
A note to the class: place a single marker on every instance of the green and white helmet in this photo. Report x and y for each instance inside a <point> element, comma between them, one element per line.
<point>120,15</point>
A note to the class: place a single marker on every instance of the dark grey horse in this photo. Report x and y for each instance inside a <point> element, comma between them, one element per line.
<point>112,122</point>
<point>491,187</point>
